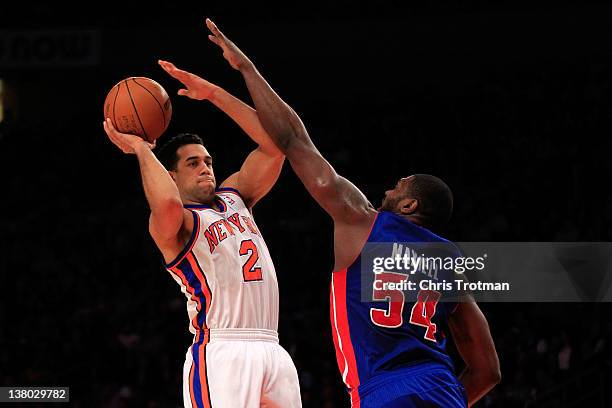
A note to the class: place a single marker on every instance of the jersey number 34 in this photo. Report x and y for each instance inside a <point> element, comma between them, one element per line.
<point>421,314</point>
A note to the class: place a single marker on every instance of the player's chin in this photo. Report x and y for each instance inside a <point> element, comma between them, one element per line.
<point>207,189</point>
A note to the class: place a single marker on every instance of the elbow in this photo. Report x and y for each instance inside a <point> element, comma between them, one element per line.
<point>273,152</point>
<point>488,375</point>
<point>496,378</point>
<point>493,376</point>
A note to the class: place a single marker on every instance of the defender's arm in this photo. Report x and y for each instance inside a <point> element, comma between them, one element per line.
<point>262,167</point>
<point>339,197</point>
<point>472,337</point>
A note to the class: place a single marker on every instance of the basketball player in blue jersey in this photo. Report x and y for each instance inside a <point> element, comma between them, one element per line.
<point>390,354</point>
<point>215,252</point>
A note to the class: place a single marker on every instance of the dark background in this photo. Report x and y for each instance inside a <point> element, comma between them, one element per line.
<point>508,102</point>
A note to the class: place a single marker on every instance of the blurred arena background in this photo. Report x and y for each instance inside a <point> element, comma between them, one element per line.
<point>509,102</point>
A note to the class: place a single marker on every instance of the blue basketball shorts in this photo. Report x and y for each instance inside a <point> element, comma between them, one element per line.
<point>431,388</point>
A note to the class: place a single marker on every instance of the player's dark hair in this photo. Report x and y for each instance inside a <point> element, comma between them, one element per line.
<point>435,200</point>
<point>167,153</point>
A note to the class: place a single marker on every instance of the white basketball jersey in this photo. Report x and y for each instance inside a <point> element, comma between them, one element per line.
<point>225,270</point>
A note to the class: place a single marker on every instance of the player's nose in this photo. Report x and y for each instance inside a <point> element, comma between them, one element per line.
<point>205,170</point>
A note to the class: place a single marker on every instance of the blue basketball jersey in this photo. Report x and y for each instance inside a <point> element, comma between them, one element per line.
<point>382,333</point>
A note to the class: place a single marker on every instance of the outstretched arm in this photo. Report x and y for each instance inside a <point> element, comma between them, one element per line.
<point>472,337</point>
<point>169,224</point>
<point>262,167</point>
<point>338,196</point>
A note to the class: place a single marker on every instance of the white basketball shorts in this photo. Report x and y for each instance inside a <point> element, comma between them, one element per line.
<point>239,368</point>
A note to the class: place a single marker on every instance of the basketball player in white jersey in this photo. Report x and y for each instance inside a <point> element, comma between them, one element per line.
<point>215,252</point>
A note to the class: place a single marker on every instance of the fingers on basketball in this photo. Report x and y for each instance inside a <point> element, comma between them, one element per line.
<point>117,137</point>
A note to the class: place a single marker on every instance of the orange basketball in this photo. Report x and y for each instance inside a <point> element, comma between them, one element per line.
<point>139,106</point>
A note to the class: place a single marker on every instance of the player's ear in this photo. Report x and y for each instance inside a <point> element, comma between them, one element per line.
<point>408,206</point>
<point>172,174</point>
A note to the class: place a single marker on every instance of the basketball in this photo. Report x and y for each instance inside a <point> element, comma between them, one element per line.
<point>139,106</point>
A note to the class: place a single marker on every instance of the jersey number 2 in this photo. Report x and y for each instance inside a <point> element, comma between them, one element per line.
<point>250,272</point>
<point>421,314</point>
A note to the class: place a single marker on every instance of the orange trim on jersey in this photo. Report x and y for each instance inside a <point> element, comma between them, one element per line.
<point>191,291</point>
<point>189,246</point>
<point>202,370</point>
<point>195,266</point>
<point>191,394</point>
<point>203,374</point>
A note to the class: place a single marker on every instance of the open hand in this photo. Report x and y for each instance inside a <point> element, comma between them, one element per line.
<point>195,87</point>
<point>231,52</point>
<point>126,142</point>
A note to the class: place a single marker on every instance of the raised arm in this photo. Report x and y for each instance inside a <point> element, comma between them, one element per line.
<point>170,224</point>
<point>262,167</point>
<point>338,196</point>
<point>472,337</point>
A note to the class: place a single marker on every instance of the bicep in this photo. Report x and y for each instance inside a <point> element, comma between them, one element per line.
<point>257,176</point>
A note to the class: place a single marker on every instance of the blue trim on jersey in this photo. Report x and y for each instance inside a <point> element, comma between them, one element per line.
<point>195,283</point>
<point>194,232</point>
<point>190,273</point>
<point>231,189</point>
<point>197,381</point>
<point>219,201</point>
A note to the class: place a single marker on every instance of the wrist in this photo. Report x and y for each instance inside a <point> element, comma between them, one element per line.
<point>141,147</point>
<point>246,66</point>
<point>212,93</point>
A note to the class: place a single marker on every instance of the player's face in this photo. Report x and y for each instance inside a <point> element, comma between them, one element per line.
<point>396,194</point>
<point>194,175</point>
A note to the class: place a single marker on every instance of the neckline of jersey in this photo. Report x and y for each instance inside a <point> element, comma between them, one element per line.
<point>219,201</point>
